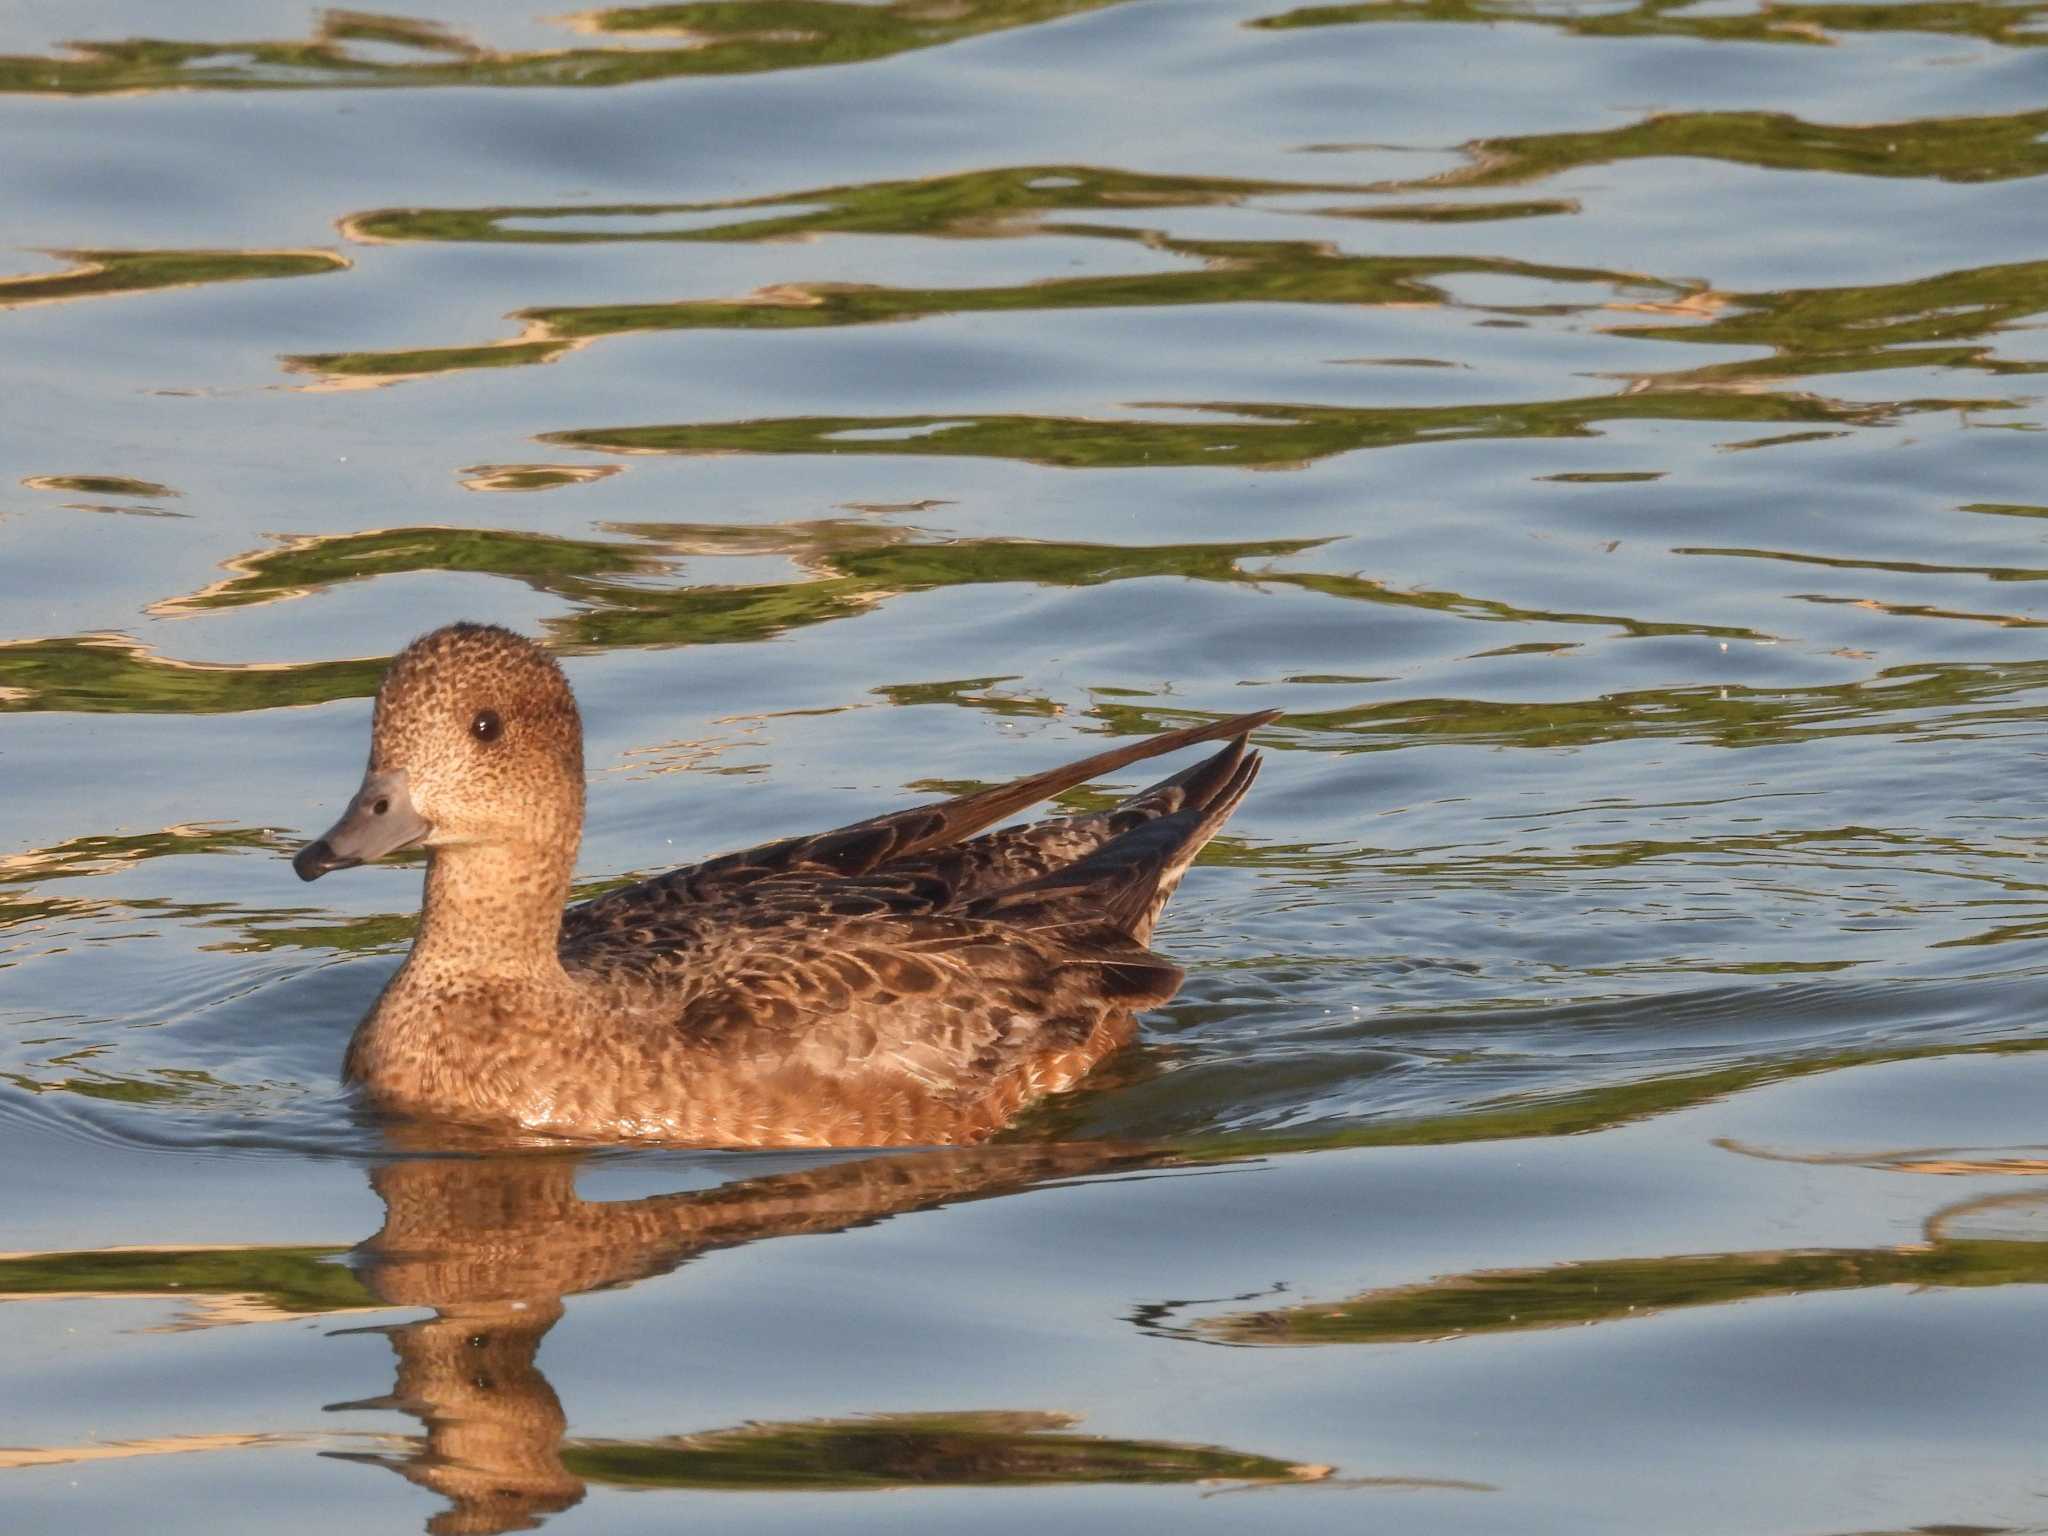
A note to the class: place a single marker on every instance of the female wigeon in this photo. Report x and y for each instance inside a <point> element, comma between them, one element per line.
<point>898,981</point>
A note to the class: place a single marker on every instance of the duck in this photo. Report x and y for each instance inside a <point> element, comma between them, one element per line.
<point>911,979</point>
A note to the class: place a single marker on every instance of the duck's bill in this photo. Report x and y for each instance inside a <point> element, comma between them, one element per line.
<point>380,820</point>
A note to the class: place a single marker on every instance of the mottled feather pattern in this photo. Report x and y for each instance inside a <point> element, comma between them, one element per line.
<point>943,960</point>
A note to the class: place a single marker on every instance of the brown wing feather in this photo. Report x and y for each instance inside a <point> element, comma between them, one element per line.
<point>950,1003</point>
<point>900,836</point>
<point>952,1000</point>
<point>671,922</point>
<point>1123,884</point>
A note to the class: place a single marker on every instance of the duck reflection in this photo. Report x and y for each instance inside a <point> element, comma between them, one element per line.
<point>493,1446</point>
<point>493,1245</point>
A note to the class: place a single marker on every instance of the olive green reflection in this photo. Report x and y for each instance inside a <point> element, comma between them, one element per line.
<point>2000,573</point>
<point>1244,434</point>
<point>1518,1117</point>
<point>1006,201</point>
<point>183,1086</point>
<point>94,674</point>
<point>1921,700</point>
<point>1219,272</point>
<point>109,674</point>
<point>102,853</point>
<point>993,203</point>
<point>256,1281</point>
<point>101,274</point>
<point>845,569</point>
<point>99,485</point>
<point>2014,23</point>
<point>1948,320</point>
<point>1951,320</point>
<point>709,37</point>
<point>1613,1290</point>
<point>1960,149</point>
<point>252,930</point>
<point>920,1450</point>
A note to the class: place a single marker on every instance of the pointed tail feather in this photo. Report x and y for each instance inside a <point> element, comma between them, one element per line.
<point>1212,815</point>
<point>968,814</point>
<point>1193,786</point>
<point>902,835</point>
<point>1125,883</point>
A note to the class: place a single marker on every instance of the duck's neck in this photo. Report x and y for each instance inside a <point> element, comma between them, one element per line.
<point>492,911</point>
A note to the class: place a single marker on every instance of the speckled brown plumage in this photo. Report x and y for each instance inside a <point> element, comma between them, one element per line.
<point>908,979</point>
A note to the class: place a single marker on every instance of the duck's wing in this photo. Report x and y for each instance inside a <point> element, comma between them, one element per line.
<point>867,985</point>
<point>1125,883</point>
<point>927,842</point>
<point>948,1003</point>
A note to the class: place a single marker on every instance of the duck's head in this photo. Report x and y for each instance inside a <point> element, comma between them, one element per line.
<point>476,741</point>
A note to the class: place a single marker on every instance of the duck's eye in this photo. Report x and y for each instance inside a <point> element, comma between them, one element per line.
<point>486,726</point>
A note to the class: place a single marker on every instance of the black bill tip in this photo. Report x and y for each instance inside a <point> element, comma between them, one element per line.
<point>317,859</point>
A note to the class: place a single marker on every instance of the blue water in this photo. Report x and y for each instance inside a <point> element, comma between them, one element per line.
<point>1605,1092</point>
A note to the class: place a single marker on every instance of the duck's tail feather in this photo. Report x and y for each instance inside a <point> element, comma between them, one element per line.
<point>1190,789</point>
<point>922,830</point>
<point>966,815</point>
<point>1124,884</point>
<point>1209,814</point>
<point>1001,861</point>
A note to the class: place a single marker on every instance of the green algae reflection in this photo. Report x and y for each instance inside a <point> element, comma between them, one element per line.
<point>1516,1117</point>
<point>1067,198</point>
<point>105,853</point>
<point>992,203</point>
<point>354,50</point>
<point>1218,272</point>
<point>1612,1290</point>
<point>895,1450</point>
<point>100,485</point>
<point>1927,700</point>
<point>105,274</point>
<point>1957,149</point>
<point>1094,202</point>
<point>2010,24</point>
<point>1950,320</point>
<point>844,568</point>
<point>281,1280</point>
<point>1944,320</point>
<point>111,674</point>
<point>1243,434</point>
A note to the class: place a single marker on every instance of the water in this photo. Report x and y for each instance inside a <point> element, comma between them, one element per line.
<point>1606,1092</point>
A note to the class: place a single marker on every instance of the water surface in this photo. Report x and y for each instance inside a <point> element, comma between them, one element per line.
<point>1606,1090</point>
